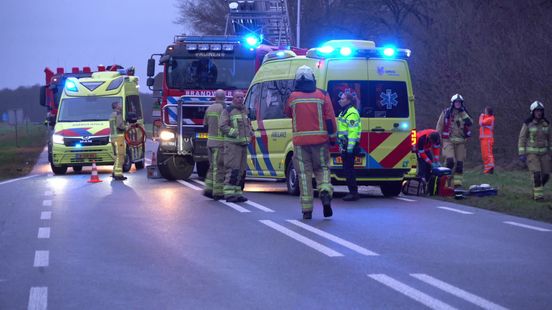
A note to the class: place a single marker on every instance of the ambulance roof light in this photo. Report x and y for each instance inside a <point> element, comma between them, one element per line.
<point>389,51</point>
<point>345,51</point>
<point>282,54</point>
<point>71,85</point>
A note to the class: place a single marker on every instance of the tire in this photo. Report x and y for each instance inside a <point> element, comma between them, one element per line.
<point>58,170</point>
<point>292,180</point>
<point>128,163</point>
<point>391,189</point>
<point>202,167</point>
<point>173,167</point>
<point>77,168</point>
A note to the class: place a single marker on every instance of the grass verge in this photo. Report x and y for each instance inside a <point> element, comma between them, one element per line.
<point>514,194</point>
<point>19,161</point>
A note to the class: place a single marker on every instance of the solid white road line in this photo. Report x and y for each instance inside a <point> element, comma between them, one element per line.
<point>235,206</point>
<point>410,292</point>
<point>42,259</point>
<point>405,199</point>
<point>19,179</point>
<point>48,193</point>
<point>43,232</point>
<point>46,215</point>
<point>527,226</point>
<point>188,184</point>
<point>259,206</point>
<point>455,210</point>
<point>333,238</point>
<point>469,297</point>
<point>47,203</point>
<point>38,298</point>
<point>304,240</point>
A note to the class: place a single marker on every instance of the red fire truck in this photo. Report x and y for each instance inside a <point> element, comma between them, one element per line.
<point>193,68</point>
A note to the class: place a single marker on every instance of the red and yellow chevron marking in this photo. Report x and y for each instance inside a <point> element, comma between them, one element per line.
<point>386,150</point>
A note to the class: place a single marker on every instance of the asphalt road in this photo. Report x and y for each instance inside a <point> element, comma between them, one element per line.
<point>154,244</point>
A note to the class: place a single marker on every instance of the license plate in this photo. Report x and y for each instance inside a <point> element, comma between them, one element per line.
<point>201,135</point>
<point>85,156</point>
<point>339,161</point>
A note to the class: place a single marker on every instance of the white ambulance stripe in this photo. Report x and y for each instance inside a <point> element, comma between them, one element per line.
<point>474,299</point>
<point>259,206</point>
<point>455,210</point>
<point>41,259</point>
<point>38,298</point>
<point>304,240</point>
<point>333,238</point>
<point>235,207</point>
<point>527,226</point>
<point>411,292</point>
<point>190,185</point>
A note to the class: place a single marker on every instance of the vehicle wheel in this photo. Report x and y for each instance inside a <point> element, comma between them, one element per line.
<point>173,167</point>
<point>58,170</point>
<point>391,189</point>
<point>292,180</point>
<point>127,164</point>
<point>77,168</point>
<point>202,168</point>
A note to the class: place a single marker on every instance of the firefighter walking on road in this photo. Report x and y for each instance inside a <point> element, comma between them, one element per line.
<point>313,122</point>
<point>236,129</point>
<point>454,126</point>
<point>486,138</point>
<point>348,137</point>
<point>117,131</point>
<point>214,181</point>
<point>535,145</point>
<point>428,149</point>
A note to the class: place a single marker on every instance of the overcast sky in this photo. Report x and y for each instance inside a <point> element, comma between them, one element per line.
<point>49,33</point>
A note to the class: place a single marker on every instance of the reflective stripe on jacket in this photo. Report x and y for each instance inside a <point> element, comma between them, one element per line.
<point>311,115</point>
<point>452,125</point>
<point>211,120</point>
<point>424,146</point>
<point>349,128</point>
<point>234,125</point>
<point>535,138</point>
<point>116,124</point>
<point>486,126</point>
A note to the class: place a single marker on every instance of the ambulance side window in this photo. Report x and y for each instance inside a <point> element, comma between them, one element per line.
<point>133,105</point>
<point>273,98</point>
<point>252,100</point>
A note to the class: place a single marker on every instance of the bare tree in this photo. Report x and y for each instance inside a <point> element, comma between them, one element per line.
<point>205,16</point>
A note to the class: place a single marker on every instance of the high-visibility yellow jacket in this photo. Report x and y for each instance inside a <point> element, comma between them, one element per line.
<point>535,137</point>
<point>235,125</point>
<point>349,128</point>
<point>211,121</point>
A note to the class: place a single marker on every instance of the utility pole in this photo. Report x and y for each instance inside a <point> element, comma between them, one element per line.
<point>298,23</point>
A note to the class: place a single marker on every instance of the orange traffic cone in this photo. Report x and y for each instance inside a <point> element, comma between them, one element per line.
<point>94,176</point>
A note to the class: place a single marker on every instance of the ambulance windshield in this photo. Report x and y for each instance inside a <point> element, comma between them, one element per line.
<point>377,99</point>
<point>86,109</point>
<point>210,73</point>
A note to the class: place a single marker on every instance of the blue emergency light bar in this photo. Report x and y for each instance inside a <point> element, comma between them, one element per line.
<point>282,54</point>
<point>345,51</point>
<point>71,85</point>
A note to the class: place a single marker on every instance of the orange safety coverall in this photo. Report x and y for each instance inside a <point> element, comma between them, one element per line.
<point>486,137</point>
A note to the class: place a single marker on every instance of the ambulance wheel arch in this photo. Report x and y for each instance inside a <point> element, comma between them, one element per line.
<point>58,170</point>
<point>292,177</point>
<point>391,189</point>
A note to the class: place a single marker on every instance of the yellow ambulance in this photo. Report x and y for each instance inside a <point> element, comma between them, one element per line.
<point>82,135</point>
<point>380,79</point>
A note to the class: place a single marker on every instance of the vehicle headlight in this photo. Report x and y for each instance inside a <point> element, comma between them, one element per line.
<point>166,135</point>
<point>57,139</point>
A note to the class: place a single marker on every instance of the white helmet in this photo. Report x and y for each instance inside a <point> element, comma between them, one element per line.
<point>304,73</point>
<point>537,105</point>
<point>456,97</point>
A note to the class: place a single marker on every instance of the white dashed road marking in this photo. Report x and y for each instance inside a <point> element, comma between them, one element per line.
<point>44,233</point>
<point>38,298</point>
<point>46,215</point>
<point>19,179</point>
<point>474,299</point>
<point>235,206</point>
<point>200,182</point>
<point>48,193</point>
<point>259,206</point>
<point>405,199</point>
<point>304,240</point>
<point>411,292</point>
<point>527,226</point>
<point>47,203</point>
<point>333,238</point>
<point>455,210</point>
<point>42,259</point>
<point>188,184</point>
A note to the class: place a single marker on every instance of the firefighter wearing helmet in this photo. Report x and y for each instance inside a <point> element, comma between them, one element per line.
<point>314,126</point>
<point>454,126</point>
<point>535,145</point>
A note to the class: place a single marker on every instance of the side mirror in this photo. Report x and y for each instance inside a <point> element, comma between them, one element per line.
<point>150,81</point>
<point>131,117</point>
<point>151,67</point>
<point>42,96</point>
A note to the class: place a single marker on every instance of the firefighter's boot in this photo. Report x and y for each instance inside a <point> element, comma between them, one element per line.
<point>326,203</point>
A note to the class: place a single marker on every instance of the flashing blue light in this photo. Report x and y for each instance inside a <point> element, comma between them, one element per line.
<point>252,41</point>
<point>280,54</point>
<point>404,125</point>
<point>345,51</point>
<point>389,51</point>
<point>70,85</point>
<point>326,49</point>
<point>78,145</point>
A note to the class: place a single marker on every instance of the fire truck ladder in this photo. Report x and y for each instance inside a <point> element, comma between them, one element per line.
<point>267,17</point>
